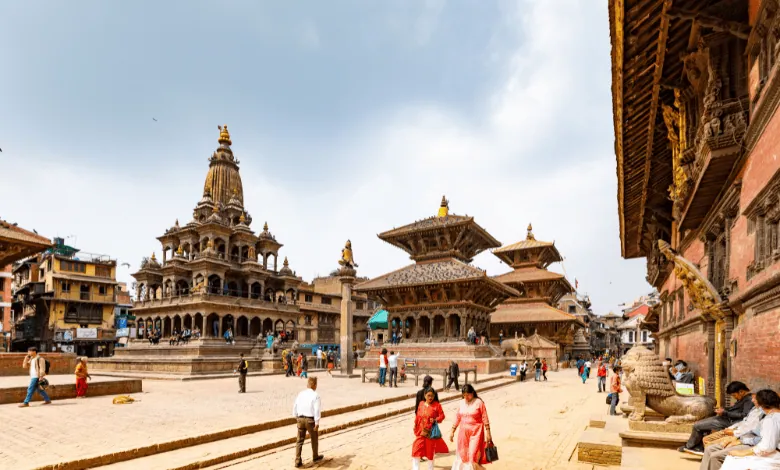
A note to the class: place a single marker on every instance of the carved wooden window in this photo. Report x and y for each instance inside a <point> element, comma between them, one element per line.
<point>681,304</point>
<point>718,260</point>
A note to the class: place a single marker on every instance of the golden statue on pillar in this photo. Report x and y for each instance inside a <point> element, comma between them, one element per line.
<point>347,260</point>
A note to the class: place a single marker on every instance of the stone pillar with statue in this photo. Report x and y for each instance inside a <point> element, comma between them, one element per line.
<point>346,275</point>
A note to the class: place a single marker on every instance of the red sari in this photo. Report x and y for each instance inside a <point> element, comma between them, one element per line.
<point>425,446</point>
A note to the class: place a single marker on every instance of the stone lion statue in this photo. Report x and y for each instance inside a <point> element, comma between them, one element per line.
<point>518,345</point>
<point>649,385</point>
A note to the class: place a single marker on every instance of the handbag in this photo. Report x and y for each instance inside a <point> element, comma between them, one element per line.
<point>435,432</point>
<point>609,399</point>
<point>491,452</point>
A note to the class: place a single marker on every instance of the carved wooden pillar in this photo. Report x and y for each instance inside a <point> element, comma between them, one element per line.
<point>711,372</point>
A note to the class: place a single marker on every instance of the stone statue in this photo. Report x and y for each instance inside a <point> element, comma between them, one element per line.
<point>347,260</point>
<point>252,253</point>
<point>649,385</point>
<point>199,287</point>
<point>518,345</point>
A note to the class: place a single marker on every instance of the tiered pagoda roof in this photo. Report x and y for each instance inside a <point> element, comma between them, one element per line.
<point>541,289</point>
<point>442,247</point>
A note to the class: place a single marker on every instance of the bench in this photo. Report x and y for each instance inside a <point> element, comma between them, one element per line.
<point>465,373</point>
<point>364,374</point>
<point>417,372</point>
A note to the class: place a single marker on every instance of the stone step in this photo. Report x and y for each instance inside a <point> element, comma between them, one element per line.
<point>599,447</point>
<point>670,440</point>
<point>212,453</point>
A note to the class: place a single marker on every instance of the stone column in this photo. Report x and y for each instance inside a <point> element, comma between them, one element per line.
<point>347,361</point>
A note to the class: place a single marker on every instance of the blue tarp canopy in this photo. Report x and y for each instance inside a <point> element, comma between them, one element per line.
<point>378,321</point>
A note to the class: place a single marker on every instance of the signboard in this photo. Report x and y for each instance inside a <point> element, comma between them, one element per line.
<point>67,348</point>
<point>122,332</point>
<point>86,333</point>
<point>684,389</point>
<point>410,362</point>
<point>67,335</point>
<point>121,322</point>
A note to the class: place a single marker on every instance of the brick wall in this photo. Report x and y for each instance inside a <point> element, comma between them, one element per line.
<point>758,346</point>
<point>11,364</point>
<point>59,392</point>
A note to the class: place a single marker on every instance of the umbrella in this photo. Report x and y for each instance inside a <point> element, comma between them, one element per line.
<point>379,320</point>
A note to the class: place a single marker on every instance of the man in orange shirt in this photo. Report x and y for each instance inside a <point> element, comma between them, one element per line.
<point>614,389</point>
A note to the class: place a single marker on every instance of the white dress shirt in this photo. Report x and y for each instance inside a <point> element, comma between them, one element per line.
<point>307,404</point>
<point>393,361</point>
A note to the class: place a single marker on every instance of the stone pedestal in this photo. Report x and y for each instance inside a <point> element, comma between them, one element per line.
<point>347,364</point>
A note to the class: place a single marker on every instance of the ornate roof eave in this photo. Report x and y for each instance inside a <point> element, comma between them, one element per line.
<point>210,224</point>
<point>395,236</point>
<point>439,306</point>
<point>209,261</point>
<point>268,244</point>
<point>507,291</point>
<point>146,273</point>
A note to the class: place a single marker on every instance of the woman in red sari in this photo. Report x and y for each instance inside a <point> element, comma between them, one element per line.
<point>474,431</point>
<point>428,413</point>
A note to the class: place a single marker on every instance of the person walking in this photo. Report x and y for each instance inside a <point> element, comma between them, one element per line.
<point>614,389</point>
<point>427,384</point>
<point>331,362</point>
<point>544,369</point>
<point>538,369</point>
<point>304,366</point>
<point>602,377</point>
<point>37,366</point>
<point>500,337</point>
<point>392,364</point>
<point>81,377</point>
<point>454,373</point>
<point>382,367</point>
<point>289,363</point>
<point>307,411</point>
<point>474,434</point>
<point>428,440</point>
<point>588,365</point>
<point>523,370</point>
<point>320,355</point>
<point>243,368</point>
<point>584,373</point>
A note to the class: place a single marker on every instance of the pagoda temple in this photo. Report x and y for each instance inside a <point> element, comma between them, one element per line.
<point>441,296</point>
<point>216,273</point>
<point>533,309</point>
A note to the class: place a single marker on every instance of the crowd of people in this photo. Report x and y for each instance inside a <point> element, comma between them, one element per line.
<point>177,337</point>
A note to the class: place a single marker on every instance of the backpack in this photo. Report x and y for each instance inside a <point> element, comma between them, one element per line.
<point>47,367</point>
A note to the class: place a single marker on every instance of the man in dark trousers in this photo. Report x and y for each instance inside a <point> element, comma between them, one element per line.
<point>243,368</point>
<point>427,383</point>
<point>453,373</point>
<point>290,372</point>
<point>723,419</point>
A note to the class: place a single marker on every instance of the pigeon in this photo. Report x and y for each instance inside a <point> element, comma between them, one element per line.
<point>153,119</point>
<point>35,231</point>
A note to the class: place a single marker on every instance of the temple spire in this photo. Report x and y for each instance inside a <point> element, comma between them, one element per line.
<point>444,208</point>
<point>224,135</point>
<point>530,235</point>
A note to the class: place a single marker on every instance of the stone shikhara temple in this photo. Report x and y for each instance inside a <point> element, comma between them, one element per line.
<point>215,271</point>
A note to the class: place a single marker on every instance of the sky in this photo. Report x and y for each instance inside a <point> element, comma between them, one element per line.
<point>349,118</point>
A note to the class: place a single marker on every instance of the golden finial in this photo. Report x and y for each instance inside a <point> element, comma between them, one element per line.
<point>286,264</point>
<point>530,235</point>
<point>444,209</point>
<point>215,209</point>
<point>224,135</point>
<point>154,257</point>
<point>242,219</point>
<point>180,251</point>
<point>265,227</point>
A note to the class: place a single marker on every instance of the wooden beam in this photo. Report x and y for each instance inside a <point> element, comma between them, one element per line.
<point>659,62</point>
<point>735,28</point>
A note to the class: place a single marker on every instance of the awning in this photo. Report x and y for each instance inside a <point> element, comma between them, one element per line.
<point>378,321</point>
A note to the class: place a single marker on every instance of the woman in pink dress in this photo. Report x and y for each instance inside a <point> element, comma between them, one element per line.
<point>428,412</point>
<point>474,431</point>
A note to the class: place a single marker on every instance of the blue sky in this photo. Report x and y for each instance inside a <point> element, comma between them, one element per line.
<point>349,118</point>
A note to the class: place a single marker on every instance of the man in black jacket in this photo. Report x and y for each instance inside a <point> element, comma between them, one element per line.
<point>427,383</point>
<point>243,368</point>
<point>723,419</point>
<point>453,373</point>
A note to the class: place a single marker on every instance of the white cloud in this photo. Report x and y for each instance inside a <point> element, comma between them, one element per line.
<point>491,165</point>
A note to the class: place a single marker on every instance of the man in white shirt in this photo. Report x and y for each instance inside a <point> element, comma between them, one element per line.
<point>37,366</point>
<point>319,357</point>
<point>392,363</point>
<point>588,364</point>
<point>307,411</point>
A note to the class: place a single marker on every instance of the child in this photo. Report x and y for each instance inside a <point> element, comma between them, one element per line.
<point>402,373</point>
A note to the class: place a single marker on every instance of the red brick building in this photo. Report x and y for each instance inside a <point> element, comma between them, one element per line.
<point>5,305</point>
<point>697,136</point>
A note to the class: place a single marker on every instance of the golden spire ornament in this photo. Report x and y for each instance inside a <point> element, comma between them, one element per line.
<point>530,235</point>
<point>224,135</point>
<point>444,208</point>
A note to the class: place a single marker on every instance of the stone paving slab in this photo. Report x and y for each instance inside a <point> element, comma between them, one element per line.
<point>165,411</point>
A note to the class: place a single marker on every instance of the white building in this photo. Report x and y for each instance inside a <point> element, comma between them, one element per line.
<point>632,333</point>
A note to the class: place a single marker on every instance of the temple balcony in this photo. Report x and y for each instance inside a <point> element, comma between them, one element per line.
<point>713,155</point>
<point>213,298</point>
